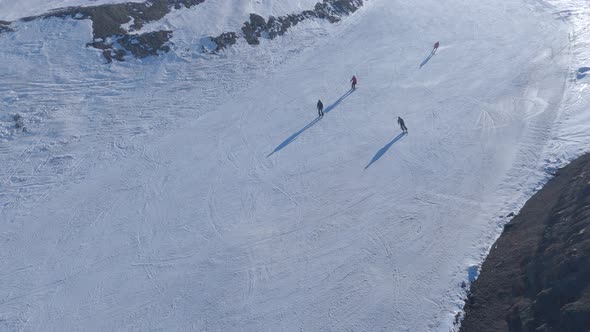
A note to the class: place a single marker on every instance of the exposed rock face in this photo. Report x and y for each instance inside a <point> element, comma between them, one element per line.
<point>4,26</point>
<point>537,276</point>
<point>333,10</point>
<point>253,29</point>
<point>257,27</point>
<point>224,40</point>
<point>107,30</point>
<point>116,42</point>
<point>146,44</point>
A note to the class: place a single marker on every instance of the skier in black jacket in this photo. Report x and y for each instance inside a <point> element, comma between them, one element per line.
<point>402,124</point>
<point>320,108</point>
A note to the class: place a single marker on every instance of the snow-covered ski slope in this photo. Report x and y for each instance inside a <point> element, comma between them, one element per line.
<point>192,192</point>
<point>571,138</point>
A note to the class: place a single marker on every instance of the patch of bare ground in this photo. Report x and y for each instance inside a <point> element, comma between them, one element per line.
<point>258,27</point>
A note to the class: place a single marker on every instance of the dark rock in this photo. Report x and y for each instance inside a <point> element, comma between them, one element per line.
<point>333,10</point>
<point>108,19</point>
<point>19,122</point>
<point>146,44</point>
<point>115,42</point>
<point>118,55</point>
<point>575,316</point>
<point>253,29</point>
<point>545,259</point>
<point>100,45</point>
<point>5,27</point>
<point>107,55</point>
<point>257,27</point>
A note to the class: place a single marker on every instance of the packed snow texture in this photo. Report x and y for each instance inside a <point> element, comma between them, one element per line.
<point>198,192</point>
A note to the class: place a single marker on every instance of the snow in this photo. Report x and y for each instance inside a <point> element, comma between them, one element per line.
<point>11,10</point>
<point>213,18</point>
<point>199,192</point>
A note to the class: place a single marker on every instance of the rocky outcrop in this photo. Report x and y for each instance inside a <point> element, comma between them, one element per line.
<point>115,26</point>
<point>4,26</point>
<point>108,20</point>
<point>146,44</point>
<point>537,275</point>
<point>224,40</point>
<point>257,27</point>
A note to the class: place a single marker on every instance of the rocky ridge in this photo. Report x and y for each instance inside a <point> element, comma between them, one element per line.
<point>537,275</point>
<point>115,26</point>
<point>108,20</point>
<point>257,27</point>
<point>4,26</point>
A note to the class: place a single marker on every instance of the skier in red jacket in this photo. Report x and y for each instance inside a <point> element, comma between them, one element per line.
<point>353,80</point>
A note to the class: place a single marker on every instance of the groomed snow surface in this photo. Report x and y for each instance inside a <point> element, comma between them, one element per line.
<point>192,192</point>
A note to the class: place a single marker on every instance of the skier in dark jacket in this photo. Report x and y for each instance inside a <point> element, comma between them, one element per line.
<point>353,80</point>
<point>402,124</point>
<point>320,108</point>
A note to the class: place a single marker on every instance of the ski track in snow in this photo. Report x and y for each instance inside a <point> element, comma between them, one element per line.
<point>177,193</point>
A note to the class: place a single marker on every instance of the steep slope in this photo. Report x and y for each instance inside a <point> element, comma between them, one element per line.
<point>206,196</point>
<point>532,254</point>
<point>536,277</point>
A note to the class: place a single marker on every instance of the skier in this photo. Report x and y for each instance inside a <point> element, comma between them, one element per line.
<point>435,48</point>
<point>402,124</point>
<point>353,80</point>
<point>320,108</point>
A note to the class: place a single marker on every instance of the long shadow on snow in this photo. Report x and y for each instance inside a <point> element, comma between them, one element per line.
<point>428,58</point>
<point>293,137</point>
<point>582,72</point>
<point>384,149</point>
<point>331,107</point>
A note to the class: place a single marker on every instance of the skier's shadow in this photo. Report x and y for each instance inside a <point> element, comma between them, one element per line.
<point>384,149</point>
<point>344,96</point>
<point>293,137</point>
<point>432,53</point>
